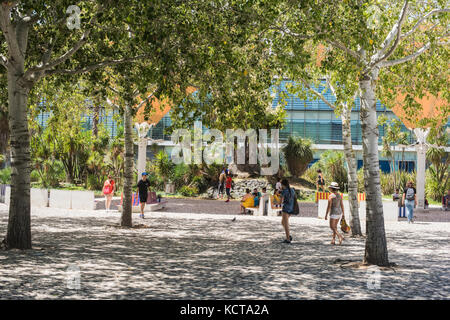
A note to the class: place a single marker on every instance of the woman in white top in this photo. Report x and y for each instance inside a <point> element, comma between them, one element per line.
<point>336,206</point>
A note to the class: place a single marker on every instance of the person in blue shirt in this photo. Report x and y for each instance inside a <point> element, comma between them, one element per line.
<point>287,199</point>
<point>256,197</point>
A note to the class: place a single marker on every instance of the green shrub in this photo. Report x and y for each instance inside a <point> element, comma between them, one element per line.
<point>333,167</point>
<point>5,175</point>
<point>188,191</point>
<point>434,188</point>
<point>387,183</point>
<point>34,177</point>
<point>180,175</point>
<point>360,175</point>
<point>156,182</point>
<point>93,182</point>
<point>311,175</point>
<point>199,182</point>
<point>298,155</point>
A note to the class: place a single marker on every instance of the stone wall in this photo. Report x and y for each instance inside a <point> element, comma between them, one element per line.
<point>239,188</point>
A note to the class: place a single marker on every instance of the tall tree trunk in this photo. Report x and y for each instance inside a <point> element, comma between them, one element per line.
<point>350,156</point>
<point>19,223</point>
<point>126,220</point>
<point>95,120</point>
<point>376,246</point>
<point>393,168</point>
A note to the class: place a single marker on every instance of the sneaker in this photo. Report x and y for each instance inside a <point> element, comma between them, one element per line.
<point>286,241</point>
<point>228,200</point>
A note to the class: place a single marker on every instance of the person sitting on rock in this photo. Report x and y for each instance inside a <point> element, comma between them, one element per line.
<point>276,200</point>
<point>256,197</point>
<point>247,201</point>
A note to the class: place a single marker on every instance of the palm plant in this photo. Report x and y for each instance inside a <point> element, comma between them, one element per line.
<point>298,155</point>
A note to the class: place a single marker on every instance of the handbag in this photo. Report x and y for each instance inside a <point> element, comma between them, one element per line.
<point>344,226</point>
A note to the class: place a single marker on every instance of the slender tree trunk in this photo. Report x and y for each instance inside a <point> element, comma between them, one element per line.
<point>95,120</point>
<point>19,223</point>
<point>126,220</point>
<point>350,156</point>
<point>393,168</point>
<point>376,246</point>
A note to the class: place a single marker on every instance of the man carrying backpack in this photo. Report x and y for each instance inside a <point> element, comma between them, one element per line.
<point>409,200</point>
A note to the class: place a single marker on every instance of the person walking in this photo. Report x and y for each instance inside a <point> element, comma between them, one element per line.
<point>397,197</point>
<point>143,186</point>
<point>336,210</point>
<point>287,209</point>
<point>108,191</point>
<point>222,178</point>
<point>446,201</point>
<point>409,201</point>
<point>320,181</point>
<point>228,185</point>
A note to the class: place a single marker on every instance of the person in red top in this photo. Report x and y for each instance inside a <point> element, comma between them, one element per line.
<point>108,191</point>
<point>228,184</point>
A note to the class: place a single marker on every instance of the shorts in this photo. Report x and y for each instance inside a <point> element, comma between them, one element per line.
<point>143,198</point>
<point>335,216</point>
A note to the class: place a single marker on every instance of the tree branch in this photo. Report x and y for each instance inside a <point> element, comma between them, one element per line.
<point>421,20</point>
<point>394,33</point>
<point>390,63</point>
<point>146,99</point>
<point>53,63</point>
<point>396,29</point>
<point>341,46</point>
<point>3,60</point>
<point>8,28</point>
<point>318,94</point>
<point>94,66</point>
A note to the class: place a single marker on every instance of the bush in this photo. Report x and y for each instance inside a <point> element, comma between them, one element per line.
<point>387,183</point>
<point>5,175</point>
<point>199,182</point>
<point>434,188</point>
<point>298,155</point>
<point>311,175</point>
<point>333,168</point>
<point>156,182</point>
<point>34,177</point>
<point>188,191</point>
<point>180,175</point>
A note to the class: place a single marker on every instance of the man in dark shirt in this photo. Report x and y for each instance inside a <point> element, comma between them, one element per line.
<point>143,185</point>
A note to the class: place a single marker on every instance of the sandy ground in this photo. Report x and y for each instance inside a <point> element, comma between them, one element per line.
<point>79,255</point>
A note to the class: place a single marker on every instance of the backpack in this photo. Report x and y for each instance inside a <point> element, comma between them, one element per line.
<point>296,209</point>
<point>410,194</point>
